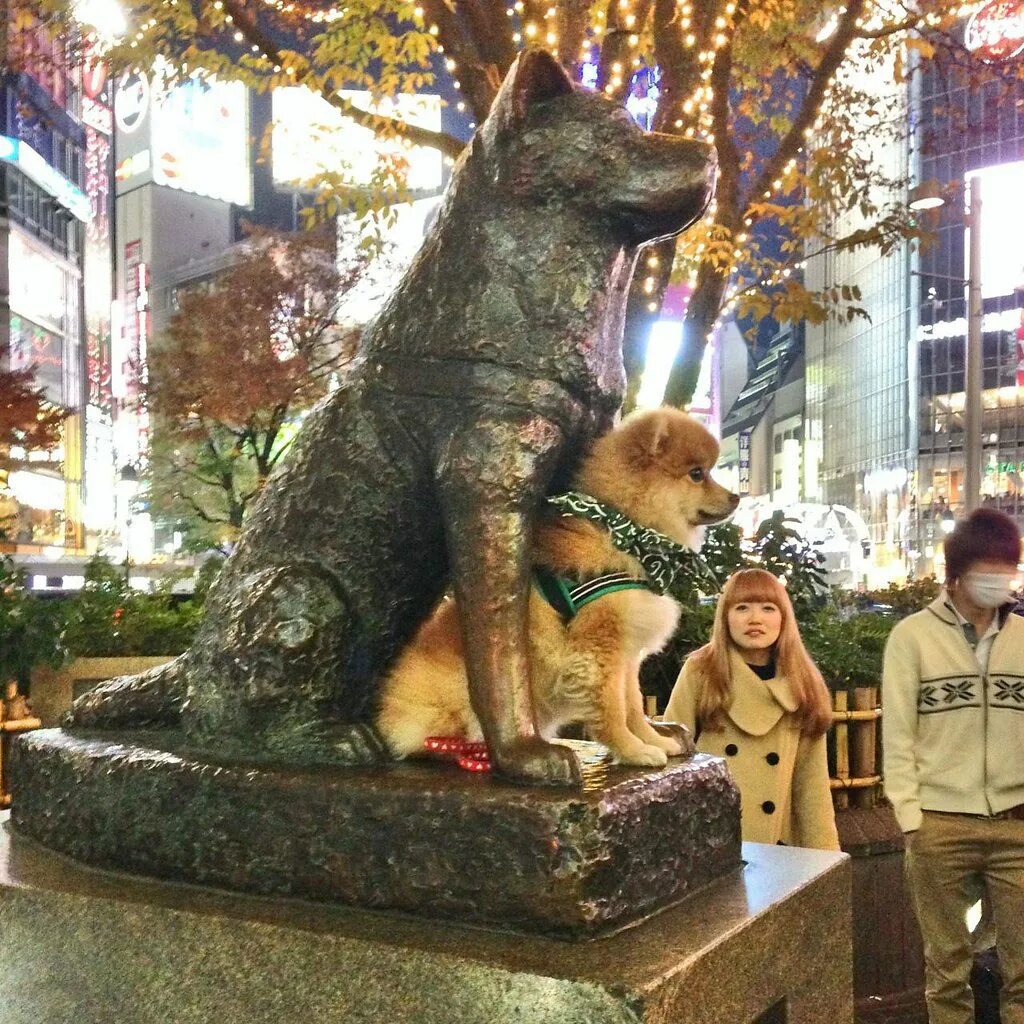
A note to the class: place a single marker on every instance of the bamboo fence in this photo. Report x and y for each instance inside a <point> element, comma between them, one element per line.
<point>8,728</point>
<point>855,755</point>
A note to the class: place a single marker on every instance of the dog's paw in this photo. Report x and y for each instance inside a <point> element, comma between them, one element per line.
<point>645,756</point>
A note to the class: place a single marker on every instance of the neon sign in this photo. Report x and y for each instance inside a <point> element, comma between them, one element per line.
<point>995,32</point>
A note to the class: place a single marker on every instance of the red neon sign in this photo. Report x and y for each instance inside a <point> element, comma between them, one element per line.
<point>995,31</point>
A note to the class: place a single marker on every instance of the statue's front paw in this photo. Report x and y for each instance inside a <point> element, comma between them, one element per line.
<point>679,733</point>
<point>534,762</point>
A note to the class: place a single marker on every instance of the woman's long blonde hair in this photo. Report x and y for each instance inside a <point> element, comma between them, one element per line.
<point>749,586</point>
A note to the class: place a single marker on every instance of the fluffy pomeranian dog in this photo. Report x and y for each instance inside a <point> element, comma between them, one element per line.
<point>596,609</point>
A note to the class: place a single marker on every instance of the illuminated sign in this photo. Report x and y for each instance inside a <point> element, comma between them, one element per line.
<point>37,284</point>
<point>132,166</point>
<point>995,32</point>
<point>94,77</point>
<point>642,99</point>
<point>311,137</point>
<point>200,139</point>
<point>125,381</point>
<point>131,427</point>
<point>1020,351</point>
<point>142,308</point>
<point>1002,227</point>
<point>743,444</point>
<point>131,101</point>
<point>191,135</point>
<point>32,165</point>
<point>34,348</point>
<point>97,115</point>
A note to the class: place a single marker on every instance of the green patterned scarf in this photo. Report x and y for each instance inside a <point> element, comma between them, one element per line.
<point>661,557</point>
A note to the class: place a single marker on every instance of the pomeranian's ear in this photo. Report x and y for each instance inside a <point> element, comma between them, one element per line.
<point>649,437</point>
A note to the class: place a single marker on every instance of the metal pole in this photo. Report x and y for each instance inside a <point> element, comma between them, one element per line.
<point>127,550</point>
<point>973,379</point>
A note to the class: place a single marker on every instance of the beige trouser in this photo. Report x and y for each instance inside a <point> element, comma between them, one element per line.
<point>951,859</point>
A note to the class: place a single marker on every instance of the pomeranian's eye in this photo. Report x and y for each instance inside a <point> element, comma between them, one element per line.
<point>697,475</point>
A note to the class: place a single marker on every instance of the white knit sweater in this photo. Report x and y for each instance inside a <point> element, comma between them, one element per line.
<point>952,739</point>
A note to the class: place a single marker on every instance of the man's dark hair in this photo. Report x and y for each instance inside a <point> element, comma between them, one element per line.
<point>985,535</point>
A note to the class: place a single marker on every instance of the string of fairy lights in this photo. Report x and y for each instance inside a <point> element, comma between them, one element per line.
<point>695,118</point>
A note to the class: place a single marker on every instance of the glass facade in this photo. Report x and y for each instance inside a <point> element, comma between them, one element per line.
<point>963,132</point>
<point>42,231</point>
<point>857,434</point>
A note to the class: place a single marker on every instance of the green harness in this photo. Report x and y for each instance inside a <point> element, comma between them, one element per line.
<point>568,597</point>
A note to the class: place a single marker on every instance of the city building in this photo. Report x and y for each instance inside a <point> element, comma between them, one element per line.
<point>197,163</point>
<point>968,135</point>
<point>877,449</point>
<point>55,273</point>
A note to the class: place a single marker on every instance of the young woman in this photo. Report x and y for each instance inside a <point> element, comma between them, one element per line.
<point>753,696</point>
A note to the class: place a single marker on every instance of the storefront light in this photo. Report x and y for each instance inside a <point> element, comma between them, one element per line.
<point>37,490</point>
<point>665,339</point>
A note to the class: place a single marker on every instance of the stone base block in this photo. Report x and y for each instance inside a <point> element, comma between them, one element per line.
<point>423,838</point>
<point>769,943</point>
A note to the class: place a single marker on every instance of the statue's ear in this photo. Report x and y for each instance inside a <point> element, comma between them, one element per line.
<point>534,77</point>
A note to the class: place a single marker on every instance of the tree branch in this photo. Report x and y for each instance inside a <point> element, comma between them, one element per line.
<point>200,511</point>
<point>572,21</point>
<point>616,48</point>
<point>464,49</point>
<point>888,30</point>
<point>305,75</point>
<point>727,193</point>
<point>833,56</point>
<point>491,28</point>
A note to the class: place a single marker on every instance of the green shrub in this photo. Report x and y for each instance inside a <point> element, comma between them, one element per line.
<point>900,599</point>
<point>846,648</point>
<point>107,619</point>
<point>844,633</point>
<point>30,627</point>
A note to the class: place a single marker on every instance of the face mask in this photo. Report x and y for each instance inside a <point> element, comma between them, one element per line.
<point>990,589</point>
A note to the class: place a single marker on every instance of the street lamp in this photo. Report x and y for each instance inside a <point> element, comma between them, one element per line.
<point>928,196</point>
<point>130,485</point>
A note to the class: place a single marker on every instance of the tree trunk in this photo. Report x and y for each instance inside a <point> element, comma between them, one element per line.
<point>639,317</point>
<point>701,314</point>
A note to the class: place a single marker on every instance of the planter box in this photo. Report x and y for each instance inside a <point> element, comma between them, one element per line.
<point>53,690</point>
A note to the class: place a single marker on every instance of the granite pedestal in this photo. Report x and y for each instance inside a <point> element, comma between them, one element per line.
<point>770,942</point>
<point>420,838</point>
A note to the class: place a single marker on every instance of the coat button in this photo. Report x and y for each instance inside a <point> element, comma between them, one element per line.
<point>768,807</point>
<point>772,758</point>
<point>731,750</point>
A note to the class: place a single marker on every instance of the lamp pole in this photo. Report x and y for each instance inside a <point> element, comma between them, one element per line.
<point>973,372</point>
<point>130,484</point>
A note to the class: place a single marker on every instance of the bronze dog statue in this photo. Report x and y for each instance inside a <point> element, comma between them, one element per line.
<point>496,360</point>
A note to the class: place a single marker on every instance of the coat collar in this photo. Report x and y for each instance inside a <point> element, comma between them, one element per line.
<point>757,704</point>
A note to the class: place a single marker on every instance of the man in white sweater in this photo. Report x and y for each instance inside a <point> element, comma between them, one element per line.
<point>953,746</point>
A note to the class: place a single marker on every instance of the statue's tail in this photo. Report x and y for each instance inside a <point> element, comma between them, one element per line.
<point>149,699</point>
